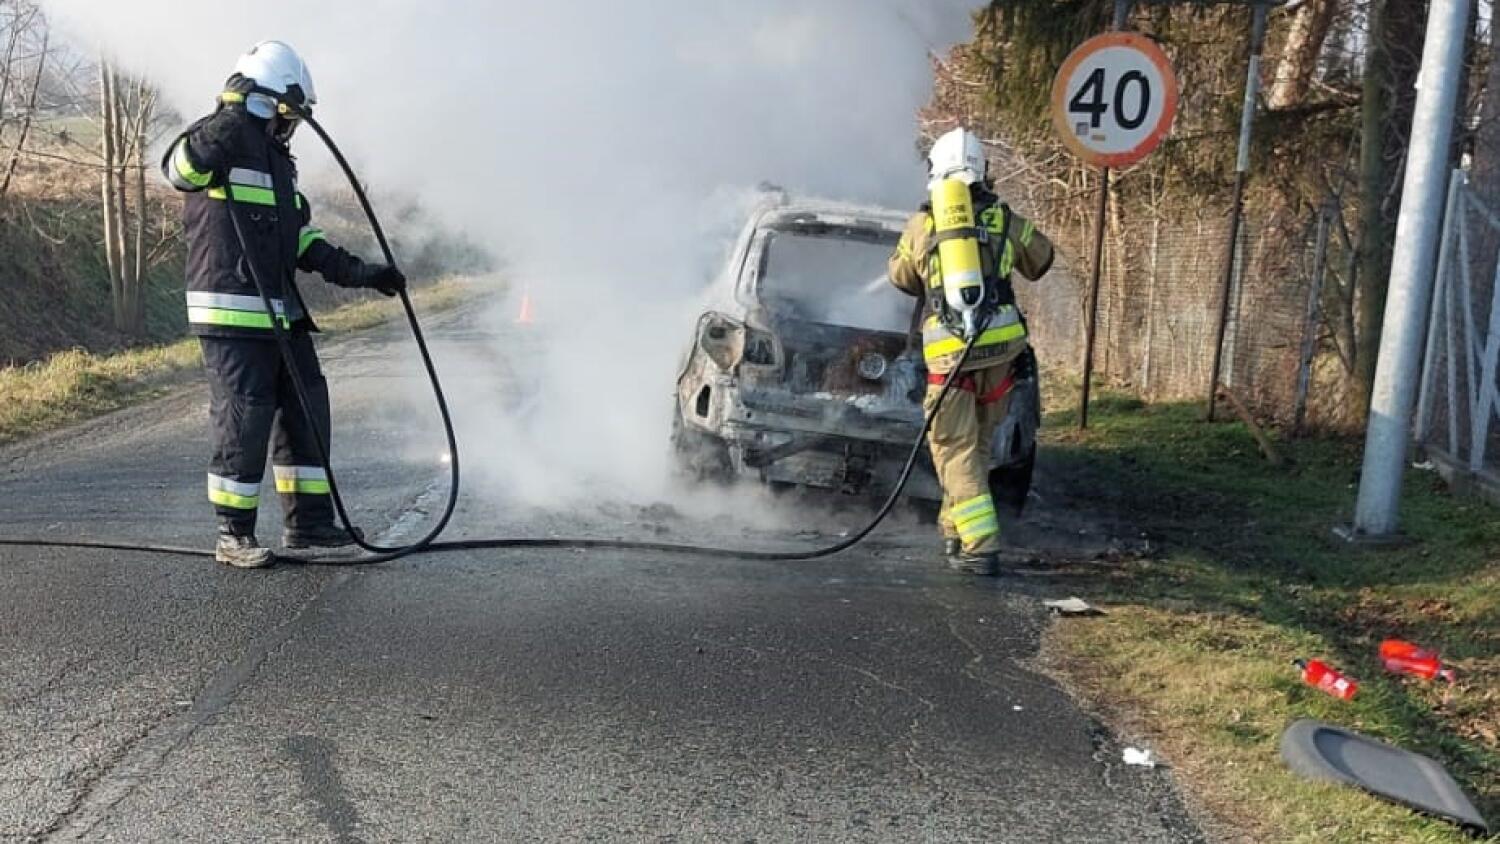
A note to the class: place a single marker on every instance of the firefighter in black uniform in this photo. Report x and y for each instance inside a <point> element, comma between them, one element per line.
<point>242,148</point>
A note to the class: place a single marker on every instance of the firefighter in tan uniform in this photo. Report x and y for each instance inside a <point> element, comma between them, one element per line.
<point>977,403</point>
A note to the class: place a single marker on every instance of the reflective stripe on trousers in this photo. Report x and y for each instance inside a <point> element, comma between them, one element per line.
<point>975,519</point>
<point>301,480</point>
<point>236,495</point>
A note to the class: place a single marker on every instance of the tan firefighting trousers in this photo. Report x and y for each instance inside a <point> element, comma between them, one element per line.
<point>960,442</point>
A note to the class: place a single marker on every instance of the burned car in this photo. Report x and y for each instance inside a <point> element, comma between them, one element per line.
<point>806,366</point>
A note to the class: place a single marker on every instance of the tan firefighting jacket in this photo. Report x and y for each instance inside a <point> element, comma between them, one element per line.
<point>1014,245</point>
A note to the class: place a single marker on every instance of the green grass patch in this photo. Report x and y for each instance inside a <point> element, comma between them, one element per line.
<point>1199,639</point>
<point>74,385</point>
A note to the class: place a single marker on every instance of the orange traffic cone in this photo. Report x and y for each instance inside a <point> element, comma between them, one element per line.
<point>525,317</point>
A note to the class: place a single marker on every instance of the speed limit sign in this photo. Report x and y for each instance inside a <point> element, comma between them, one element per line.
<point>1114,99</point>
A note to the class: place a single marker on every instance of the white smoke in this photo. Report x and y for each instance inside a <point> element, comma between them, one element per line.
<point>604,148</point>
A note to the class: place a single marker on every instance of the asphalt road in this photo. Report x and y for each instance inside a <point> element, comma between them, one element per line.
<point>512,696</point>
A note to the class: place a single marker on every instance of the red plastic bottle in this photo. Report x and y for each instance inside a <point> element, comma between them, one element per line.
<point>1401,657</point>
<point>1324,678</point>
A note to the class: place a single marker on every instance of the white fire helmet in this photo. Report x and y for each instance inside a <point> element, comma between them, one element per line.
<point>958,154</point>
<point>276,66</point>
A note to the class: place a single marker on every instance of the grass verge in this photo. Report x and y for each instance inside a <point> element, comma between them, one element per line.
<point>1196,649</point>
<point>74,385</point>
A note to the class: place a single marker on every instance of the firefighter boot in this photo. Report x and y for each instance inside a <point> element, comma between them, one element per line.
<point>322,536</point>
<point>242,552</point>
<point>982,565</point>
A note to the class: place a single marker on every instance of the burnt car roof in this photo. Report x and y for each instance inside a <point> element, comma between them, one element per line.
<point>790,214</point>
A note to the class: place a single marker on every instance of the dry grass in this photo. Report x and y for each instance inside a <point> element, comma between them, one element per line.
<point>1196,649</point>
<point>75,385</point>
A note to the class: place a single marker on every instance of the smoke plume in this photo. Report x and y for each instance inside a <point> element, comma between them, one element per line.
<point>606,150</point>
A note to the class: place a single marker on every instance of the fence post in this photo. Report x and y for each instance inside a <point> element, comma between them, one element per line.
<point>1456,183</point>
<point>1311,317</point>
<point>1237,204</point>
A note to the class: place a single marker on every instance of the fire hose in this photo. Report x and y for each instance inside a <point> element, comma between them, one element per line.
<point>429,543</point>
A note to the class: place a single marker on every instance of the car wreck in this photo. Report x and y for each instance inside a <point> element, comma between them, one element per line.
<point>805,368</point>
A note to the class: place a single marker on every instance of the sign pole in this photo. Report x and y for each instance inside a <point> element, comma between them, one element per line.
<point>1122,12</point>
<point>1092,323</point>
<point>1237,204</point>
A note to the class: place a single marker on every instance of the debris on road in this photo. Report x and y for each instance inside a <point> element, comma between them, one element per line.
<point>1139,757</point>
<point>1072,606</point>
<point>1325,752</point>
<point>1325,678</point>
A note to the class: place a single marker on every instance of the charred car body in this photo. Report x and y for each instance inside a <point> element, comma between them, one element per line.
<point>806,367</point>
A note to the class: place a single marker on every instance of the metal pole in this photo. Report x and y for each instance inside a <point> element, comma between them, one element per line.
<point>1091,323</point>
<point>1237,204</point>
<point>1377,510</point>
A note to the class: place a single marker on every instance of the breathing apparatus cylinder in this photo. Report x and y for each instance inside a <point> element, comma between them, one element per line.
<point>958,250</point>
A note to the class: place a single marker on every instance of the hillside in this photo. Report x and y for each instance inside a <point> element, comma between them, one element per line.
<point>53,274</point>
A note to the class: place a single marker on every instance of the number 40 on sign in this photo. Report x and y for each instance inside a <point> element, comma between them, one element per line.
<point>1114,99</point>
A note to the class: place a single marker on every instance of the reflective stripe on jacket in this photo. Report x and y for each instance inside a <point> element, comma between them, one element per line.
<point>1000,342</point>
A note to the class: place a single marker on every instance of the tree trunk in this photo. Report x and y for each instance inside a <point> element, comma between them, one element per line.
<point>122,215</point>
<point>1374,236</point>
<point>143,108</point>
<point>1299,57</point>
<point>1392,59</point>
<point>1463,113</point>
<point>110,192</point>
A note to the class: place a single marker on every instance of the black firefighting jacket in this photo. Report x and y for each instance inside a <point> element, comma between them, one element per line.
<point>233,150</point>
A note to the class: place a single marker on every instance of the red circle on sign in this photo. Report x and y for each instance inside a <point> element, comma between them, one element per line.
<point>1063,122</point>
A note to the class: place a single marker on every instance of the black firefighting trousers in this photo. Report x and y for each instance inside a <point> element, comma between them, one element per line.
<point>252,402</point>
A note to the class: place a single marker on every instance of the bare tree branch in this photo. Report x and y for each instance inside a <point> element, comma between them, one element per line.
<point>36,84</point>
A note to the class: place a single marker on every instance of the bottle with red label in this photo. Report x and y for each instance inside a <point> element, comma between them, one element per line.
<point>1400,657</point>
<point>1325,678</point>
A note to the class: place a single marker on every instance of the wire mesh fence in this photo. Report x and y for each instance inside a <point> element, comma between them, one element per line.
<point>1159,302</point>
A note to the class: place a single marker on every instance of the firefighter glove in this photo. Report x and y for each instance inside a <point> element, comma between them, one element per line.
<point>383,277</point>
